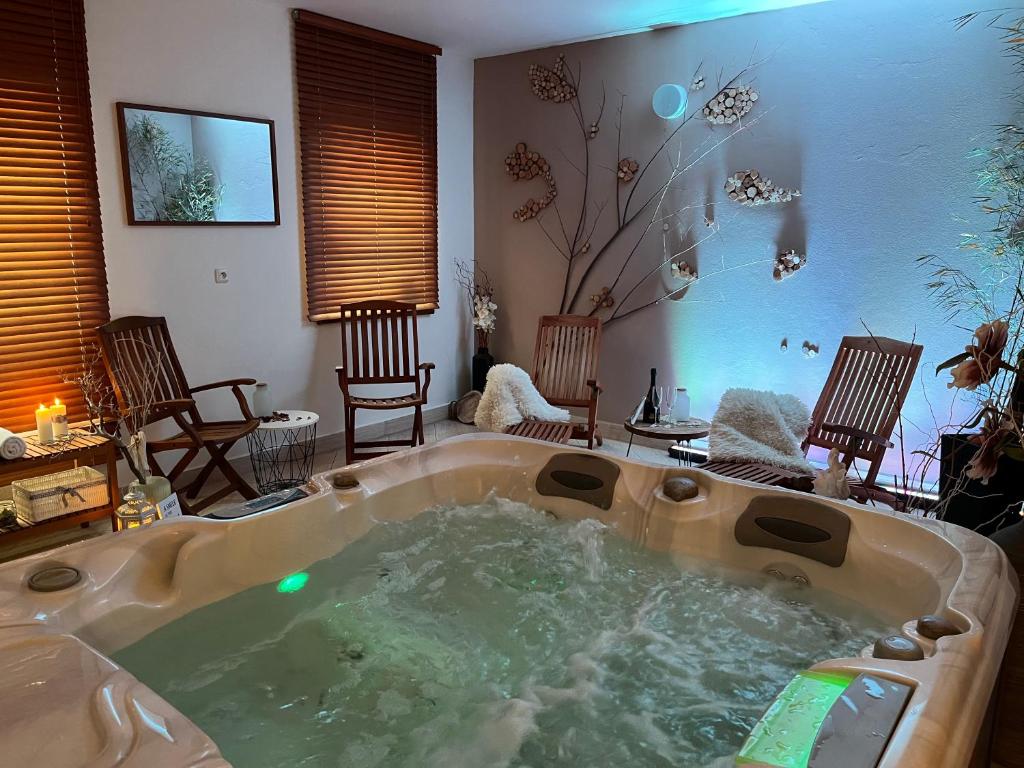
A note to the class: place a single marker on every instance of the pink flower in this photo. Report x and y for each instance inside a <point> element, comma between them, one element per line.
<point>991,441</point>
<point>985,355</point>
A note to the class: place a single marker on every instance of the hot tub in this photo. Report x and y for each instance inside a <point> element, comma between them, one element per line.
<point>908,702</point>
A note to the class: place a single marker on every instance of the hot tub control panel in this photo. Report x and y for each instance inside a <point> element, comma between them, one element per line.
<point>833,719</point>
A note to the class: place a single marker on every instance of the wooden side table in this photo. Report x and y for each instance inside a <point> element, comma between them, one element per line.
<point>679,431</point>
<point>81,449</point>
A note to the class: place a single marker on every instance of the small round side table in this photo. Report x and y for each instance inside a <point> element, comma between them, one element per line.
<point>282,450</point>
<point>679,431</point>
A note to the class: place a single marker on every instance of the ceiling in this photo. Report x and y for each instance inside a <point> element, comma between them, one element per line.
<point>489,27</point>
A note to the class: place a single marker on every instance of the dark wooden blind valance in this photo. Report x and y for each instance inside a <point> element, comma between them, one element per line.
<point>53,286</point>
<point>368,136</point>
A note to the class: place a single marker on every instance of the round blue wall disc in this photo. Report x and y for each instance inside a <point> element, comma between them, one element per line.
<point>669,101</point>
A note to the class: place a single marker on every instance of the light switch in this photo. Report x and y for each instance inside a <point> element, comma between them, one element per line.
<point>220,275</point>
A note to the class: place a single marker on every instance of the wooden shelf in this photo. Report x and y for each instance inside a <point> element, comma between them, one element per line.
<point>81,449</point>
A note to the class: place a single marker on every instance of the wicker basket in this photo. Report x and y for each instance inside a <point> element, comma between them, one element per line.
<point>64,493</point>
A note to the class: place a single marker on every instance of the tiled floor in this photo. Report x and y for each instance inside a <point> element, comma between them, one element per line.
<point>323,461</point>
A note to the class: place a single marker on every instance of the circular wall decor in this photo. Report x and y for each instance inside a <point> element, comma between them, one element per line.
<point>669,101</point>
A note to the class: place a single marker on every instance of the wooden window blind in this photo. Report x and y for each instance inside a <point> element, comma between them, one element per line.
<point>367,104</point>
<point>53,287</point>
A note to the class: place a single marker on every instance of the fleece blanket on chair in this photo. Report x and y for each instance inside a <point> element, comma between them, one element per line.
<point>510,398</point>
<point>760,427</point>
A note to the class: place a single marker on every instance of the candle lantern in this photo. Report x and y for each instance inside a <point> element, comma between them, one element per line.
<point>136,511</point>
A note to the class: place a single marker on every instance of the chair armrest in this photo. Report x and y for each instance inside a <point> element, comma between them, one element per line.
<point>426,368</point>
<point>595,386</point>
<point>220,384</point>
<point>235,384</point>
<point>857,434</point>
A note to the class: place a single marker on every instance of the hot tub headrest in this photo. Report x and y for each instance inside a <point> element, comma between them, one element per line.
<point>579,476</point>
<point>799,526</point>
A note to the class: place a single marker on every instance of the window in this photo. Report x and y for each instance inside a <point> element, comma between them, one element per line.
<point>368,137</point>
<point>53,286</point>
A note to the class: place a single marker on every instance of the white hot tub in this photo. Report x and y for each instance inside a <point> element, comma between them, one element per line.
<point>65,703</point>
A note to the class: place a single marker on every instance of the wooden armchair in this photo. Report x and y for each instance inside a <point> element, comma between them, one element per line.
<point>565,361</point>
<point>380,345</point>
<point>143,368</point>
<point>856,413</point>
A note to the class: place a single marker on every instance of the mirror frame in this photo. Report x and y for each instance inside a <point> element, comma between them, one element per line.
<point>129,197</point>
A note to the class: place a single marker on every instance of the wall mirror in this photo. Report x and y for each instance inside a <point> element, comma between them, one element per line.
<point>183,167</point>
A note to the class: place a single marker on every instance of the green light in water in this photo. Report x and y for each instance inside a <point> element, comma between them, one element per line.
<point>292,583</point>
<point>785,735</point>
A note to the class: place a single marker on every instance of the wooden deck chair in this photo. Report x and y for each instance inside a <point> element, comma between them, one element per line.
<point>565,361</point>
<point>143,368</point>
<point>380,345</point>
<point>856,412</point>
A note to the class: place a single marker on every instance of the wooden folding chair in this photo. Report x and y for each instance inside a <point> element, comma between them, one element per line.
<point>380,345</point>
<point>565,361</point>
<point>143,368</point>
<point>856,413</point>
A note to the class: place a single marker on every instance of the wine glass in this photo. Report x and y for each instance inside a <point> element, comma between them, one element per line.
<point>668,404</point>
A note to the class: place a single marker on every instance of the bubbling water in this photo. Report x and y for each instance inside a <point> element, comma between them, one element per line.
<point>494,635</point>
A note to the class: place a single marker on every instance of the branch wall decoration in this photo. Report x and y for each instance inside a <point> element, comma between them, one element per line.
<point>627,169</point>
<point>751,188</point>
<point>551,84</point>
<point>522,165</point>
<point>730,104</point>
<point>636,194</point>
<point>787,264</point>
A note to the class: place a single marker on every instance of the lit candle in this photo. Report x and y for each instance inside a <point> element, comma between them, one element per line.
<point>44,427</point>
<point>59,419</point>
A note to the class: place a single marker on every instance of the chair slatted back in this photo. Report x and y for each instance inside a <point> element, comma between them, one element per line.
<point>380,342</point>
<point>141,362</point>
<point>566,357</point>
<point>865,390</point>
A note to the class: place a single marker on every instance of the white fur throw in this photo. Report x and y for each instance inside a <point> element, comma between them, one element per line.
<point>510,398</point>
<point>760,427</point>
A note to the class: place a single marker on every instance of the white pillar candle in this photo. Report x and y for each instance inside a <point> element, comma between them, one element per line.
<point>59,419</point>
<point>44,427</point>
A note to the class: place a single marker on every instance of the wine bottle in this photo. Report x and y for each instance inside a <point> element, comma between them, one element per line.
<point>652,401</point>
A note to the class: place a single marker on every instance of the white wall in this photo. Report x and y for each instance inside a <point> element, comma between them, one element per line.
<point>235,57</point>
<point>870,107</point>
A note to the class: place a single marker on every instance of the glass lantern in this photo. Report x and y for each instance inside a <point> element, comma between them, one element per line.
<point>136,510</point>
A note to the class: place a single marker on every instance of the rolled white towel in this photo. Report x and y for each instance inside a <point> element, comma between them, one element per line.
<point>11,446</point>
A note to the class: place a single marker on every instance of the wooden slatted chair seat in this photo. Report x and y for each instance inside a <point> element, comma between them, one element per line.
<point>764,474</point>
<point>565,360</point>
<point>380,345</point>
<point>547,431</point>
<point>386,403</point>
<point>857,412</point>
<point>144,370</point>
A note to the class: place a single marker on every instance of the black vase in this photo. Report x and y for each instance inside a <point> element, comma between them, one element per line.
<point>983,508</point>
<point>483,361</point>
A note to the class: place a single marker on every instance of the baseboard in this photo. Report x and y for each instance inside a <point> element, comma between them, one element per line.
<point>336,440</point>
<point>328,443</point>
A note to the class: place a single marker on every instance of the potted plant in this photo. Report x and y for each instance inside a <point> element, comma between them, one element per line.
<point>987,284</point>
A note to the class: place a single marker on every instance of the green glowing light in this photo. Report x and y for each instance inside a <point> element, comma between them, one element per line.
<point>292,583</point>
<point>785,735</point>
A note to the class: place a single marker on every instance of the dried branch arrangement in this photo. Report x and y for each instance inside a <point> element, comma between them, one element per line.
<point>637,195</point>
<point>983,287</point>
<point>123,423</point>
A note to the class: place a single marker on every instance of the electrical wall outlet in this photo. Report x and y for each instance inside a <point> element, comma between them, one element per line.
<point>220,275</point>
